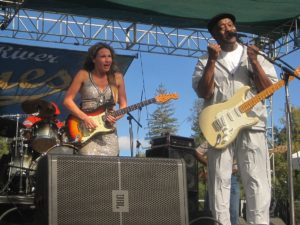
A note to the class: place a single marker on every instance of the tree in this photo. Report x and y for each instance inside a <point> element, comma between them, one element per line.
<point>194,118</point>
<point>280,185</point>
<point>162,120</point>
<point>4,147</point>
<point>280,135</point>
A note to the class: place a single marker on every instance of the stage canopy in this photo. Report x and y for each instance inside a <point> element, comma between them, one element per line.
<point>256,17</point>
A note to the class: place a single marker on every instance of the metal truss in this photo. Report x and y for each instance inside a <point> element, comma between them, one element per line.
<point>9,9</point>
<point>69,29</point>
<point>76,30</point>
<point>288,43</point>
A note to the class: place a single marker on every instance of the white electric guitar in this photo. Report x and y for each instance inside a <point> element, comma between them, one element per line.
<point>221,123</point>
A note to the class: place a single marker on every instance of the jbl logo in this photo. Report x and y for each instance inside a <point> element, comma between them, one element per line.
<point>120,201</point>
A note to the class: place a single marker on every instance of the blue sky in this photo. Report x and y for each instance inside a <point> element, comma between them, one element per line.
<point>175,74</point>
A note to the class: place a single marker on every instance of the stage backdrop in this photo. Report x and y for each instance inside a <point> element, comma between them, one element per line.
<point>28,72</point>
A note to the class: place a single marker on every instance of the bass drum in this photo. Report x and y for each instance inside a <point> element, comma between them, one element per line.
<point>64,149</point>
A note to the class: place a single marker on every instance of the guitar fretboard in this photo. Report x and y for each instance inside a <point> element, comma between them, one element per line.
<point>133,107</point>
<point>248,105</point>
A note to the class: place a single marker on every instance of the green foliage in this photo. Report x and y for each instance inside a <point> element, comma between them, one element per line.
<point>280,134</point>
<point>280,185</point>
<point>297,212</point>
<point>194,118</point>
<point>162,120</point>
<point>4,148</point>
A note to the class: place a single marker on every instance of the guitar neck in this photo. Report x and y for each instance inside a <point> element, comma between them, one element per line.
<point>248,105</point>
<point>133,107</point>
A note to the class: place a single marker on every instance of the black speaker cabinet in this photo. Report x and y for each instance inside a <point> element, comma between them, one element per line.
<point>79,190</point>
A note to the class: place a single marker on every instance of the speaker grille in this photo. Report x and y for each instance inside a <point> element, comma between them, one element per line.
<point>82,190</point>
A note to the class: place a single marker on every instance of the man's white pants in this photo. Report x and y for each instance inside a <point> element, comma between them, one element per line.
<point>251,152</point>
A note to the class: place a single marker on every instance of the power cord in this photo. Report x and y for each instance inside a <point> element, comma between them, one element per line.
<point>204,218</point>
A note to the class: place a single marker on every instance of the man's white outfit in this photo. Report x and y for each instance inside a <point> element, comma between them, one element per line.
<point>232,72</point>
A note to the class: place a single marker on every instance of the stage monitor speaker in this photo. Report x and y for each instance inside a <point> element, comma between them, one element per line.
<point>77,190</point>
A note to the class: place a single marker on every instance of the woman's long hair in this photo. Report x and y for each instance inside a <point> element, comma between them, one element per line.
<point>89,65</point>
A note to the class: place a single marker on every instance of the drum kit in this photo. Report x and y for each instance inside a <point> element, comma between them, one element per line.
<point>28,145</point>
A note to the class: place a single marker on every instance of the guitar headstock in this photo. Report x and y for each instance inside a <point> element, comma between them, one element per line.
<point>166,97</point>
<point>297,71</point>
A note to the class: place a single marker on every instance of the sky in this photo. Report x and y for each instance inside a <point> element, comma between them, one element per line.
<point>175,73</point>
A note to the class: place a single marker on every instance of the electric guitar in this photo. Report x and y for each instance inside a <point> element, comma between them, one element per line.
<point>221,123</point>
<point>79,133</point>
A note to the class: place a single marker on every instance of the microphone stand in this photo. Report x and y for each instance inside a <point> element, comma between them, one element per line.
<point>289,153</point>
<point>129,118</point>
<point>287,73</point>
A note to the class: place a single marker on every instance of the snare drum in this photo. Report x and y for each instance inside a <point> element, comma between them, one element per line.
<point>44,136</point>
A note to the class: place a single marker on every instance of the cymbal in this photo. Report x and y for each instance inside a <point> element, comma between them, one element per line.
<point>8,127</point>
<point>42,107</point>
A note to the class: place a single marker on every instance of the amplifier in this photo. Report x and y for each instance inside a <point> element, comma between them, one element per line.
<point>172,141</point>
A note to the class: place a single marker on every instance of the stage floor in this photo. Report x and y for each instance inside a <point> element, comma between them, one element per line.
<point>20,210</point>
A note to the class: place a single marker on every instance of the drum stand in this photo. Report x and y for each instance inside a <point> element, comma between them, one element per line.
<point>18,200</point>
<point>21,191</point>
<point>18,154</point>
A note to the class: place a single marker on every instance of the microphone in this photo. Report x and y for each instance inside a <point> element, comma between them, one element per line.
<point>235,34</point>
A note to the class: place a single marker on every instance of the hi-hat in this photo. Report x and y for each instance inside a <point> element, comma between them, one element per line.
<point>8,127</point>
<point>42,107</point>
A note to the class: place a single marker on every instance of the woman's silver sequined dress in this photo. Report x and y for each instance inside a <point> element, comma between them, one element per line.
<point>92,98</point>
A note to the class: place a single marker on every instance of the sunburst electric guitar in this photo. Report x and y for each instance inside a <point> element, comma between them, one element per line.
<point>221,123</point>
<point>79,133</point>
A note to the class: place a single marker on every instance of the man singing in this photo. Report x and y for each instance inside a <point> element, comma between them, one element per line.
<point>226,68</point>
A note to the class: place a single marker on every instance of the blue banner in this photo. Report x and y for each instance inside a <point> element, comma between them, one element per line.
<point>28,73</point>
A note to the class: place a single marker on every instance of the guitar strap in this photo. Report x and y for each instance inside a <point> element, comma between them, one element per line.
<point>113,86</point>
